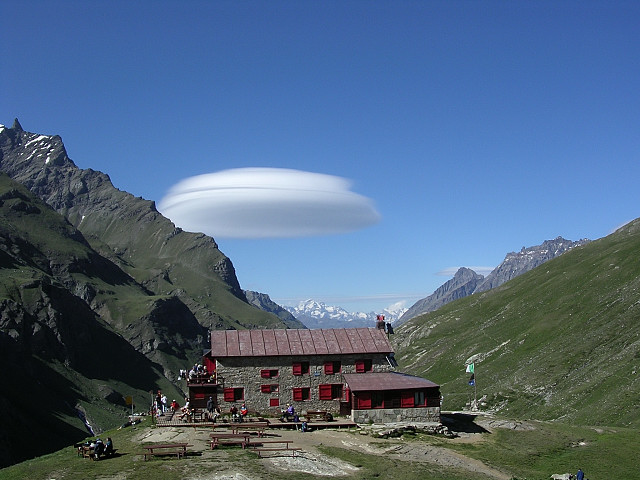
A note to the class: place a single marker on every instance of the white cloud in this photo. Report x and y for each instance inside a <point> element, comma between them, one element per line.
<point>267,202</point>
<point>451,271</point>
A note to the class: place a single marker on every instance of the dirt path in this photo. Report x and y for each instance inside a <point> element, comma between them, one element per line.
<point>313,462</point>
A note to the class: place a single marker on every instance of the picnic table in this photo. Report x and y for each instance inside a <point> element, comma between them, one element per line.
<point>258,427</point>
<point>318,415</point>
<point>86,451</point>
<point>165,449</point>
<point>262,447</point>
<point>242,439</point>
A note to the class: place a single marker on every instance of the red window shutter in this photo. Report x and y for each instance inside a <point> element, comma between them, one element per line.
<point>359,366</point>
<point>265,373</point>
<point>199,395</point>
<point>274,402</point>
<point>325,392</point>
<point>328,368</point>
<point>229,395</point>
<point>406,400</point>
<point>297,369</point>
<point>210,364</point>
<point>364,401</point>
<point>297,394</point>
<point>265,388</point>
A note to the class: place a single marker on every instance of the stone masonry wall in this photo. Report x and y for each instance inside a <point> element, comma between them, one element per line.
<point>244,372</point>
<point>395,415</point>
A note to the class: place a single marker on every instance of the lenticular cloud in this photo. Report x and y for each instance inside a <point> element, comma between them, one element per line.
<point>267,202</point>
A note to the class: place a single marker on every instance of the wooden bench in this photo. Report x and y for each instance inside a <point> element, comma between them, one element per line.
<point>274,446</point>
<point>165,449</point>
<point>258,427</point>
<point>218,439</point>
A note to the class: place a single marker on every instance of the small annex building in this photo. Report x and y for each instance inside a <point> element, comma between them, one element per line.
<point>346,371</point>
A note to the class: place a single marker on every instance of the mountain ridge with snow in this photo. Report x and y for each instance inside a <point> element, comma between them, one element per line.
<point>315,314</point>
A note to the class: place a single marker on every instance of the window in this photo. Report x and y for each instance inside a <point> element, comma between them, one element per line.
<point>363,401</point>
<point>392,399</point>
<point>274,402</point>
<point>301,394</point>
<point>407,400</point>
<point>331,368</point>
<point>330,391</point>
<point>268,373</point>
<point>418,399</point>
<point>377,399</point>
<point>363,366</point>
<point>233,394</point>
<point>269,388</point>
<point>301,368</point>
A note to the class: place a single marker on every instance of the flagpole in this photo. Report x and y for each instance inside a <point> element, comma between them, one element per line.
<point>475,388</point>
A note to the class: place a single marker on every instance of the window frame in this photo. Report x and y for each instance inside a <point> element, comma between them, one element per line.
<point>364,365</point>
<point>269,388</point>
<point>332,367</point>
<point>300,368</point>
<point>301,394</point>
<point>233,394</point>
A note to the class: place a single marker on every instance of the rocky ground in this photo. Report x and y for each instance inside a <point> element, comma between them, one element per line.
<point>369,440</point>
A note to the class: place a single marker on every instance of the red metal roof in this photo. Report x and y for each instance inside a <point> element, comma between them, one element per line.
<point>358,382</point>
<point>326,341</point>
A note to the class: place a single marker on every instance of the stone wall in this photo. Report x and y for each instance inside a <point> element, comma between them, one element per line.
<point>244,372</point>
<point>395,415</point>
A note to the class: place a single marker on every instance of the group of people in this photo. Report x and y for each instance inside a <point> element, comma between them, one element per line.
<point>161,403</point>
<point>197,371</point>
<point>101,449</point>
<point>238,415</point>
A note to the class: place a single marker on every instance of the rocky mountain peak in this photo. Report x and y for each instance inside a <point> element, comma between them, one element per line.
<point>16,126</point>
<point>463,283</point>
<point>517,263</point>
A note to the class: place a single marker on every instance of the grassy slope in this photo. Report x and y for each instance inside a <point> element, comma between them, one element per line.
<point>164,259</point>
<point>560,342</point>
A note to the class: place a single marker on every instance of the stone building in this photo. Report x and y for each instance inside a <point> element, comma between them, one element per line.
<point>314,370</point>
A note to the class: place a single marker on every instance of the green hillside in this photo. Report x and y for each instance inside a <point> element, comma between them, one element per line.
<point>65,369</point>
<point>561,342</point>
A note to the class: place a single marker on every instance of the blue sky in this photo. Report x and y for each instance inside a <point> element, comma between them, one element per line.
<point>459,130</point>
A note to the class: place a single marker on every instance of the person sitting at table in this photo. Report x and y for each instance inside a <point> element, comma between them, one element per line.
<point>234,414</point>
<point>186,412</point>
<point>174,405</point>
<point>98,449</point>
<point>288,413</point>
<point>108,447</point>
<point>243,410</point>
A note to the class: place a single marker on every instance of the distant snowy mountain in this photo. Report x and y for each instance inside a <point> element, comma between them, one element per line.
<point>315,314</point>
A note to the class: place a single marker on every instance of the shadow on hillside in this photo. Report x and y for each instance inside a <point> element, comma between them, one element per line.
<point>462,422</point>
